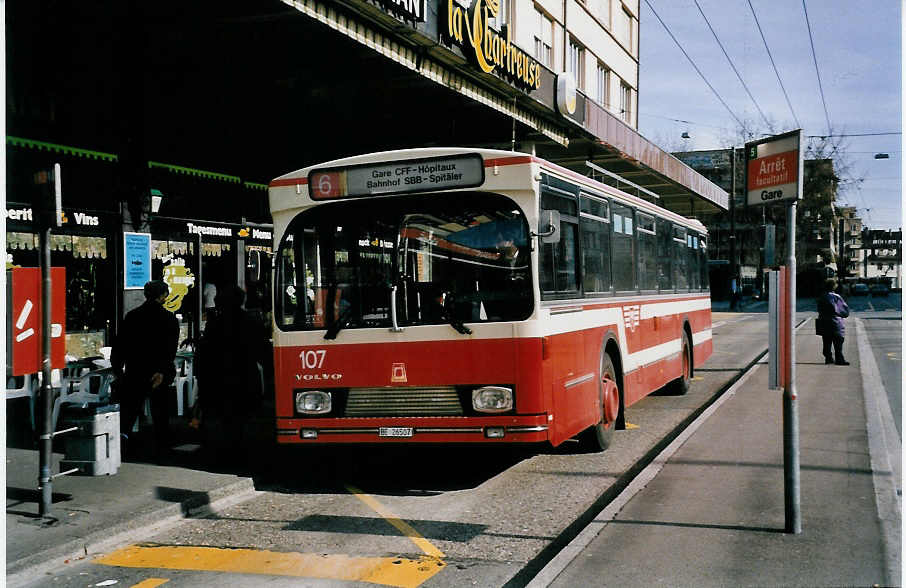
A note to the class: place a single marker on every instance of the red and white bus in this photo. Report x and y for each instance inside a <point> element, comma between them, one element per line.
<point>453,295</point>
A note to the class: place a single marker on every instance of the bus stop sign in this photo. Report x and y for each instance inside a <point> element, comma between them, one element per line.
<point>774,169</point>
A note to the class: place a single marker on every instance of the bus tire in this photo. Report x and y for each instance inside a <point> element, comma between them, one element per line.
<point>599,436</point>
<point>680,386</point>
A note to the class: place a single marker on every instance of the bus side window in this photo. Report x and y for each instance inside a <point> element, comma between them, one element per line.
<point>559,261</point>
<point>665,256</point>
<point>595,226</point>
<point>647,242</point>
<point>703,261</point>
<point>692,254</point>
<point>681,259</point>
<point>623,249</point>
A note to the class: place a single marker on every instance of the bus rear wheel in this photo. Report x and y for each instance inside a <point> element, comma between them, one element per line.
<point>599,437</point>
<point>680,386</point>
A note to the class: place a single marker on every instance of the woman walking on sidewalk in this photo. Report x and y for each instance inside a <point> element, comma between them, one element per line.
<point>832,309</point>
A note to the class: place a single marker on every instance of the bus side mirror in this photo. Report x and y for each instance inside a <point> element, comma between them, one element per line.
<point>549,226</point>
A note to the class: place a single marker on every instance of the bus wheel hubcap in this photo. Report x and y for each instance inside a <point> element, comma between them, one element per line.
<point>611,400</point>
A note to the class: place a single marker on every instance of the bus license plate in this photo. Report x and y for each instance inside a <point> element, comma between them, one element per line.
<point>395,432</point>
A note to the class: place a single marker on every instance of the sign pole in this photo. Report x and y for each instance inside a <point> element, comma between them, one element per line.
<point>45,478</point>
<point>47,204</point>
<point>793,515</point>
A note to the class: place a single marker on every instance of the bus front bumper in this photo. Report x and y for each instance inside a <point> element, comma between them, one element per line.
<point>486,429</point>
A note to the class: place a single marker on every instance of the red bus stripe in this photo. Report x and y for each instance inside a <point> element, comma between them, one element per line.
<point>288,182</point>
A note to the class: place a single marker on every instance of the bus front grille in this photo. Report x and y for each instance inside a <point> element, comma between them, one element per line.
<point>373,402</point>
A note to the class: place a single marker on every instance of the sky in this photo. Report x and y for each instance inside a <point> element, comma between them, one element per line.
<point>857,47</point>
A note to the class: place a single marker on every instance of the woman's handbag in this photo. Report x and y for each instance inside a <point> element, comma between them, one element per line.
<point>821,327</point>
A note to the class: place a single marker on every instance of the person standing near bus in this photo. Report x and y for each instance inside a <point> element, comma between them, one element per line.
<point>832,309</point>
<point>232,347</point>
<point>143,364</point>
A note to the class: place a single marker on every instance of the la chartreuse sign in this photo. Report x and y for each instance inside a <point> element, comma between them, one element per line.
<point>470,29</point>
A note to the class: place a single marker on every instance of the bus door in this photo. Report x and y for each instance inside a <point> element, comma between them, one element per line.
<point>573,362</point>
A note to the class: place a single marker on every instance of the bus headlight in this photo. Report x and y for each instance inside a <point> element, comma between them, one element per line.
<point>313,402</point>
<point>492,399</point>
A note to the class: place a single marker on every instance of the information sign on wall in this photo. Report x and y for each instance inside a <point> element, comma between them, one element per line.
<point>773,169</point>
<point>137,260</point>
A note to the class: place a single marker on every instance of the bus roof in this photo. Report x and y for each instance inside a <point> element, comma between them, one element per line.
<point>491,157</point>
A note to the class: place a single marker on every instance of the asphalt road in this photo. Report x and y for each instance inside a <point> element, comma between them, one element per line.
<point>430,516</point>
<point>882,318</point>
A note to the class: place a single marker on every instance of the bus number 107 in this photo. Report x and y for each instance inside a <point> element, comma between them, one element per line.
<point>313,359</point>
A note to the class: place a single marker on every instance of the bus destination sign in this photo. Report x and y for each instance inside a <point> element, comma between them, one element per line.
<point>397,177</point>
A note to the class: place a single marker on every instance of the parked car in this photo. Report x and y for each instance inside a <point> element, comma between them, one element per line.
<point>879,289</point>
<point>859,289</point>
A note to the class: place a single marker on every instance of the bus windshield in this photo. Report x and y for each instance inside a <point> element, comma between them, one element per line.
<point>451,258</point>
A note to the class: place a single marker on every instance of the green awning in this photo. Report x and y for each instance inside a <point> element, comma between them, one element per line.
<point>57,148</point>
<point>195,172</point>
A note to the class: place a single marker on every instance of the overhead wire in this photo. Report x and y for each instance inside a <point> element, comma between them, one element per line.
<point>854,135</point>
<point>817,71</point>
<point>769,126</point>
<point>774,65</point>
<point>687,122</point>
<point>666,28</point>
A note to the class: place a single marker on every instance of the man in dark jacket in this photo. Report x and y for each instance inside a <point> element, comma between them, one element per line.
<point>142,360</point>
<point>832,309</point>
<point>232,347</point>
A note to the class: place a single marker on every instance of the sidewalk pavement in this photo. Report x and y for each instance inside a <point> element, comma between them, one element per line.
<point>94,511</point>
<point>712,512</point>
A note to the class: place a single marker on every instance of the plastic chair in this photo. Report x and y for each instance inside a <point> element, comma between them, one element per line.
<point>185,384</point>
<point>27,389</point>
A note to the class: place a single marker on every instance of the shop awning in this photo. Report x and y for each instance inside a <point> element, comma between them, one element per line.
<point>58,148</point>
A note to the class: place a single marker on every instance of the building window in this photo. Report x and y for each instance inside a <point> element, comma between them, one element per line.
<point>625,103</point>
<point>602,77</point>
<point>544,38</point>
<point>577,63</point>
<point>600,9</point>
<point>502,18</point>
<point>623,28</point>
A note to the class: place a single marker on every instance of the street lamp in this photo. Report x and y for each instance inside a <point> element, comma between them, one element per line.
<point>156,198</point>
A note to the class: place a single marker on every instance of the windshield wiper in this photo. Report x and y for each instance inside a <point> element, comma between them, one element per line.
<point>338,325</point>
<point>448,316</point>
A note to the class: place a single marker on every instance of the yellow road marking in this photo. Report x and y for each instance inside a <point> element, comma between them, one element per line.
<point>631,426</point>
<point>151,583</point>
<point>389,571</point>
<point>397,522</point>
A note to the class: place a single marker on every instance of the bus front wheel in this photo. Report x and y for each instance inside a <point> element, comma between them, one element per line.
<point>599,437</point>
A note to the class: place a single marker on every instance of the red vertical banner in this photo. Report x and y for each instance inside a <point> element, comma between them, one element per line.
<point>784,327</point>
<point>26,321</point>
<point>778,329</point>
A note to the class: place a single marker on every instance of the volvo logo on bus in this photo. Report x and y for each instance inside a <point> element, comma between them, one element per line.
<point>321,377</point>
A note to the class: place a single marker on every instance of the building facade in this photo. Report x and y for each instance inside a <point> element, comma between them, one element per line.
<point>882,256</point>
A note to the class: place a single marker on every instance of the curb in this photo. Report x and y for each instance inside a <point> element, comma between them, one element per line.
<point>24,570</point>
<point>886,456</point>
